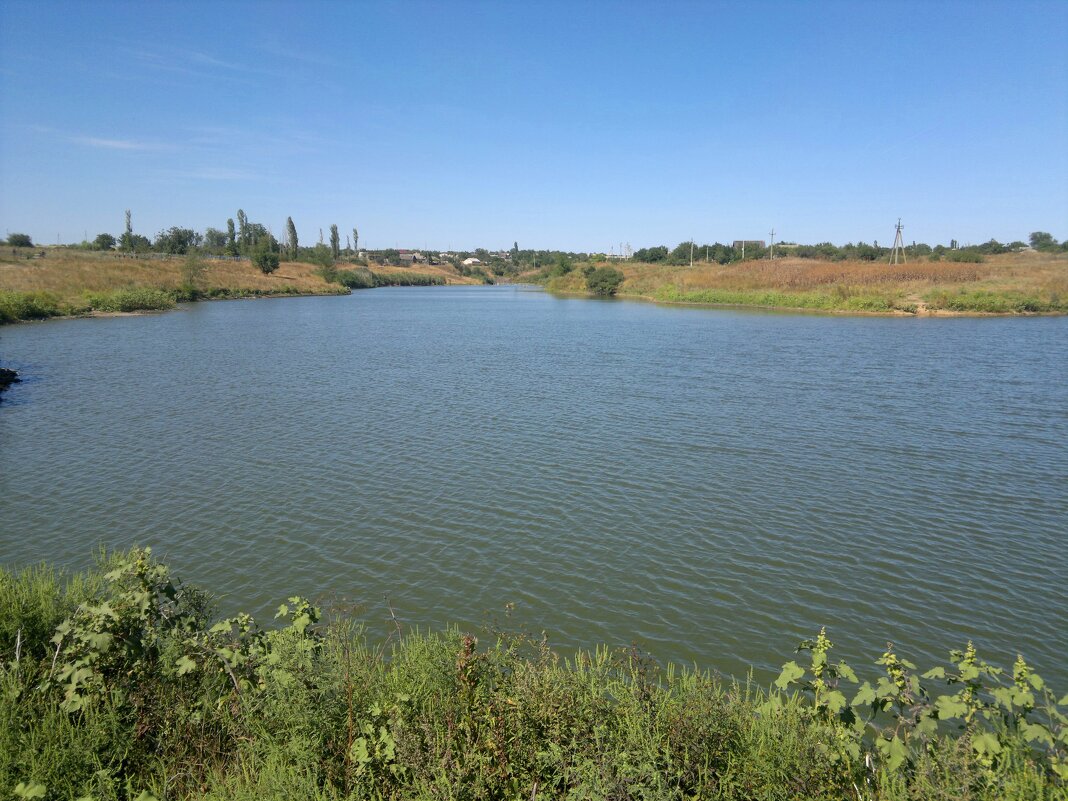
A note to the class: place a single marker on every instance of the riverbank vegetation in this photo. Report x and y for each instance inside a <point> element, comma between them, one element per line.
<point>1007,283</point>
<point>118,683</point>
<point>75,282</point>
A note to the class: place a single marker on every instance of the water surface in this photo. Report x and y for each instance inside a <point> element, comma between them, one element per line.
<point>712,485</point>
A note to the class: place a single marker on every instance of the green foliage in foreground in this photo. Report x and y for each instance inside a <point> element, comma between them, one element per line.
<point>118,684</point>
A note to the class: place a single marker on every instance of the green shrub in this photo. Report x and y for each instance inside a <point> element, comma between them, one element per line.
<point>1007,302</point>
<point>266,261</point>
<point>361,278</point>
<point>604,281</point>
<point>15,306</point>
<point>130,300</point>
<point>410,279</point>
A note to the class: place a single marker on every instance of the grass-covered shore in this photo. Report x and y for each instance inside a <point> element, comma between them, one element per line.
<point>67,283</point>
<point>1006,284</point>
<point>118,683</point>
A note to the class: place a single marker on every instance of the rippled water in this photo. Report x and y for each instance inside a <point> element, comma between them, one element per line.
<point>713,485</point>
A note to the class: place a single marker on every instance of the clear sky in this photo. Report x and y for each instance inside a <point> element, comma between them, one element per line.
<point>576,125</point>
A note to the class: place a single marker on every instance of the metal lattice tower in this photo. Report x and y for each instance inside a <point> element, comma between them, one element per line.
<point>899,245</point>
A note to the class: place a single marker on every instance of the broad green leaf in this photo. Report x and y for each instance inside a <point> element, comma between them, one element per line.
<point>895,751</point>
<point>846,672</point>
<point>185,665</point>
<point>1036,681</point>
<point>935,673</point>
<point>30,790</point>
<point>1036,733</point>
<point>949,706</point>
<point>791,672</point>
<point>927,725</point>
<point>865,695</point>
<point>986,743</point>
<point>1005,696</point>
<point>836,701</point>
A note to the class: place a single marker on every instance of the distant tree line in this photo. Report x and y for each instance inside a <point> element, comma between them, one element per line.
<point>827,251</point>
<point>255,241</point>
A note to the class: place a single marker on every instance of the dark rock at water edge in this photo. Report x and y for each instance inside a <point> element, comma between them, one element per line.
<point>7,378</point>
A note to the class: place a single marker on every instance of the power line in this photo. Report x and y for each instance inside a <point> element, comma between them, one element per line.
<point>899,245</point>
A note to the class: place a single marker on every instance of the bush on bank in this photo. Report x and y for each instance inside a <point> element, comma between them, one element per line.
<point>119,684</point>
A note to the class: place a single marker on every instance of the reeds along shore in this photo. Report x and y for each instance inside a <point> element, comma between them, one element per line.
<point>118,683</point>
<point>1006,284</point>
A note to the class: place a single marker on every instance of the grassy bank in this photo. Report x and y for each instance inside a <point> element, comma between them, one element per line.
<point>118,684</point>
<point>74,282</point>
<point>1017,283</point>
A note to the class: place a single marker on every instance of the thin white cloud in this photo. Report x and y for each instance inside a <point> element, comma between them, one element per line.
<point>118,144</point>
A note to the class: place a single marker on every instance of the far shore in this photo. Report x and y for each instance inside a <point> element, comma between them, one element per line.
<point>74,283</point>
<point>1007,285</point>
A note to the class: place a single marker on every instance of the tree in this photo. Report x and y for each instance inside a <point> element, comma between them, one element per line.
<point>1040,240</point>
<point>175,240</point>
<point>231,239</point>
<point>256,233</point>
<point>651,255</point>
<point>355,240</point>
<point>335,243</point>
<point>242,230</point>
<point>291,235</point>
<point>604,281</point>
<point>265,258</point>
<point>215,239</point>
<point>193,270</point>
<point>20,240</point>
<point>103,242</point>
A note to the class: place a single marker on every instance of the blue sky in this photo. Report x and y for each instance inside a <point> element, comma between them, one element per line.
<point>570,125</point>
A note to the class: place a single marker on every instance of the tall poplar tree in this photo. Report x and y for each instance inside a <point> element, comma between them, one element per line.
<point>335,242</point>
<point>242,229</point>
<point>291,235</point>
<point>231,237</point>
<point>355,240</point>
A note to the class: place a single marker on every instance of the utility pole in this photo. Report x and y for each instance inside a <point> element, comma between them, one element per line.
<point>899,245</point>
<point>772,251</point>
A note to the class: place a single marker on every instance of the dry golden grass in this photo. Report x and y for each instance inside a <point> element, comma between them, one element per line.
<point>70,274</point>
<point>1039,275</point>
<point>1017,270</point>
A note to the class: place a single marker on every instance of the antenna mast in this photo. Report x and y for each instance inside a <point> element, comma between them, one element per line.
<point>899,245</point>
<point>772,251</point>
